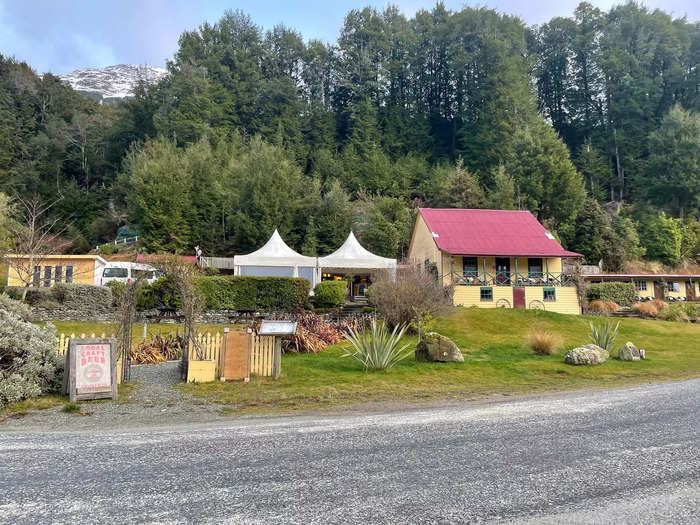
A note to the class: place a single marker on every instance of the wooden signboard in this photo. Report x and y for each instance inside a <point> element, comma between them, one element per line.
<point>236,356</point>
<point>91,369</point>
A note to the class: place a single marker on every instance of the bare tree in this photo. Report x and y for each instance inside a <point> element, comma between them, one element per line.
<point>183,274</point>
<point>412,298</point>
<point>33,236</point>
<point>125,299</point>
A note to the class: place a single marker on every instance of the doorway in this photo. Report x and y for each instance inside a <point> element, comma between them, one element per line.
<point>502,271</point>
<point>690,291</point>
<point>519,297</point>
<point>659,290</point>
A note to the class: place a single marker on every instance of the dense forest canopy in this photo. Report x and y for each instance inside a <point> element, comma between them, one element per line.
<point>591,122</point>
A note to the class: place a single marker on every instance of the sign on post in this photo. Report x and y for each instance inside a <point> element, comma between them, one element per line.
<point>91,369</point>
<point>278,329</point>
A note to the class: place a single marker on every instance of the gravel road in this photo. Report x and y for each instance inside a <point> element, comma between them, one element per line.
<point>627,455</point>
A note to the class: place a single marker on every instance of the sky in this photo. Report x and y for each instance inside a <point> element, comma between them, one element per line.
<point>63,35</point>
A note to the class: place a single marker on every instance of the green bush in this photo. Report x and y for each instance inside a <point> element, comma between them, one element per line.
<point>34,295</point>
<point>27,353</point>
<point>118,288</point>
<point>623,294</point>
<point>330,294</point>
<point>83,296</point>
<point>108,249</point>
<point>161,293</point>
<point>245,293</point>
<point>680,312</point>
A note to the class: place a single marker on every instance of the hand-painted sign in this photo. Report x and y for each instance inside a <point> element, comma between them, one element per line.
<point>92,369</point>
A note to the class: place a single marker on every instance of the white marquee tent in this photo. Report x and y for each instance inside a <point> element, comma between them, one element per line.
<point>352,255</point>
<point>275,258</point>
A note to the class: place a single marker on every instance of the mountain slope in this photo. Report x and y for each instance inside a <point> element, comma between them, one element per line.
<point>112,83</point>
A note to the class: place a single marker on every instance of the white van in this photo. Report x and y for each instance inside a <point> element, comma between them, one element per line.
<point>125,272</point>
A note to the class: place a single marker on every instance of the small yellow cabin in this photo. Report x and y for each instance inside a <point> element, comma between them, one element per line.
<point>666,286</point>
<point>495,258</point>
<point>49,270</point>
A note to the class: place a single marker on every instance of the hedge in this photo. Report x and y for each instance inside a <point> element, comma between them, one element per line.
<point>241,293</point>
<point>330,294</point>
<point>621,293</point>
<point>246,293</point>
<point>70,295</point>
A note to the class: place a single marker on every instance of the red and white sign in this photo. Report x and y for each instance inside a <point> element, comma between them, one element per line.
<point>93,368</point>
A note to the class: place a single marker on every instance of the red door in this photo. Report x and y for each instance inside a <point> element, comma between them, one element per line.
<point>519,297</point>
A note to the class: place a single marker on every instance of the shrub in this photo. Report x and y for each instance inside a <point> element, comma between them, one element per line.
<point>210,270</point>
<point>543,342</point>
<point>313,334</point>
<point>414,294</point>
<point>245,293</point>
<point>161,293</point>
<point>330,294</point>
<point>602,307</point>
<point>623,294</point>
<point>118,289</point>
<point>604,334</point>
<point>376,348</point>
<point>108,249</point>
<point>83,296</point>
<point>34,295</point>
<point>27,353</point>
<point>681,312</point>
<point>650,308</point>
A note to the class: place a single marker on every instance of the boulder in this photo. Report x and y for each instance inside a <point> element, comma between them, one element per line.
<point>588,354</point>
<point>629,352</point>
<point>436,347</point>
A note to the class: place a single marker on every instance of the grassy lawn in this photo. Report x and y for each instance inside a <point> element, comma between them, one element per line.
<point>496,361</point>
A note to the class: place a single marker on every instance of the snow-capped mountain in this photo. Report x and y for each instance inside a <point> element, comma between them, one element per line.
<point>111,83</point>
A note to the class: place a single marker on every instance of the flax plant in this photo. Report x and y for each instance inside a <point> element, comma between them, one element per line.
<point>604,334</point>
<point>377,348</point>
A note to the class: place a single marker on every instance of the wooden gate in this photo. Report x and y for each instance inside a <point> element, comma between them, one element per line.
<point>235,358</point>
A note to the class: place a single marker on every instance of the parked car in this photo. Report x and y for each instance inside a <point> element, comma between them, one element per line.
<point>125,272</point>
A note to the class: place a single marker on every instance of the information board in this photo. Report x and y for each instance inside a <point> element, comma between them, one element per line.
<point>92,368</point>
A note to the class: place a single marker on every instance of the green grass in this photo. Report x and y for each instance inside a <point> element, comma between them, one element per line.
<point>497,360</point>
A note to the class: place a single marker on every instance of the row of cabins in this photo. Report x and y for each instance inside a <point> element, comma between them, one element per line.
<point>494,258</point>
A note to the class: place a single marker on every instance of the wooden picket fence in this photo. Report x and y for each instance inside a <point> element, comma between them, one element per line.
<point>210,347</point>
<point>63,339</point>
<point>262,355</point>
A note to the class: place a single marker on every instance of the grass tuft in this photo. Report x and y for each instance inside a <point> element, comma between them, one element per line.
<point>71,408</point>
<point>543,342</point>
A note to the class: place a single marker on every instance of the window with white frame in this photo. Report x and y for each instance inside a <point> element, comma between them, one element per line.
<point>640,286</point>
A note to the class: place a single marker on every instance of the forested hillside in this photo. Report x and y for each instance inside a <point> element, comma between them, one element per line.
<point>591,122</point>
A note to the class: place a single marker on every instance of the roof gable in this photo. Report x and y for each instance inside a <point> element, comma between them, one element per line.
<point>491,232</point>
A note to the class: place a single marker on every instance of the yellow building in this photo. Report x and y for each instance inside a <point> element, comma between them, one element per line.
<point>665,286</point>
<point>495,258</point>
<point>52,269</point>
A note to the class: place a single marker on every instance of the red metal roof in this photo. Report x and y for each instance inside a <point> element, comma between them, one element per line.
<point>491,232</point>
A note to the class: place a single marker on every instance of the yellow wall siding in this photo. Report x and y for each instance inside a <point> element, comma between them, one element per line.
<point>566,298</point>
<point>423,245</point>
<point>83,271</point>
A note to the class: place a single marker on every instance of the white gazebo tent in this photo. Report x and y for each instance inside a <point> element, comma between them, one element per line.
<point>276,259</point>
<point>352,256</point>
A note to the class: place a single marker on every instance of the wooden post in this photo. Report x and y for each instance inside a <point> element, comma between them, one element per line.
<point>277,360</point>
<point>483,264</point>
<point>515,260</point>
<point>546,267</point>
